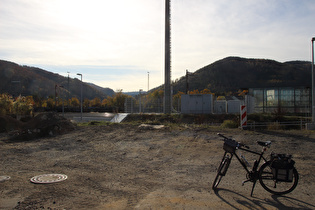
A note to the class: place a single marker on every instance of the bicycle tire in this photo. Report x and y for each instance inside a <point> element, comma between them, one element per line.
<point>269,183</point>
<point>224,165</point>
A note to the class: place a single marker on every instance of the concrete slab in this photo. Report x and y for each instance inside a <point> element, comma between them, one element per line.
<point>119,117</point>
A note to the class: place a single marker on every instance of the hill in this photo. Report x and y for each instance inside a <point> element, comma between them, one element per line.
<point>233,73</point>
<point>16,79</point>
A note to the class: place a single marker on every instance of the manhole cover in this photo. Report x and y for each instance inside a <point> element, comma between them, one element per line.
<point>48,178</point>
<point>4,178</point>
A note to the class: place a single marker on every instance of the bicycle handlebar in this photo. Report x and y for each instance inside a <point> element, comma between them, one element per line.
<point>239,143</point>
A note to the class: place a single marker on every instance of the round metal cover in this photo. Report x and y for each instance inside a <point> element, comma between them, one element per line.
<point>4,178</point>
<point>48,178</point>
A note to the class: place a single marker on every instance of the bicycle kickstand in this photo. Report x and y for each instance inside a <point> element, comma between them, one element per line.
<point>254,183</point>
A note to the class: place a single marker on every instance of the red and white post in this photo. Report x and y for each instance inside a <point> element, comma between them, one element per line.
<point>243,116</point>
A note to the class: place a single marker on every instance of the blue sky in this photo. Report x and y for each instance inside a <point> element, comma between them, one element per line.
<point>116,43</point>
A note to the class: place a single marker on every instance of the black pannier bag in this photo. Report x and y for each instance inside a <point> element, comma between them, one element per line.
<point>282,167</point>
<point>230,145</point>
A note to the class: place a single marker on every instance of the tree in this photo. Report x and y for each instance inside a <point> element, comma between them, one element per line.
<point>177,99</point>
<point>22,106</point>
<point>74,102</point>
<point>194,92</point>
<point>206,91</point>
<point>6,104</point>
<point>105,102</point>
<point>117,101</point>
<point>96,102</point>
<point>86,103</point>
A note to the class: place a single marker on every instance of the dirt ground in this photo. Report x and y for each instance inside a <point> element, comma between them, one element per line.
<point>121,166</point>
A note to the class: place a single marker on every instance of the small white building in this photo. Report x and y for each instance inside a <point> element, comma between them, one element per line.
<point>197,104</point>
<point>233,106</point>
<point>220,107</point>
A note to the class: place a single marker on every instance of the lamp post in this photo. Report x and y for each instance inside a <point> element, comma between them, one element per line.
<point>81,95</point>
<point>140,100</point>
<point>313,80</point>
<point>56,97</point>
<point>68,95</point>
<point>148,80</point>
<point>63,107</point>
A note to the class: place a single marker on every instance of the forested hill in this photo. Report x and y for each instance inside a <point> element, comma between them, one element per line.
<point>233,73</point>
<point>16,79</point>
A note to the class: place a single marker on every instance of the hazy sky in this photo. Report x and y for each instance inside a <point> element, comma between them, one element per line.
<point>116,43</point>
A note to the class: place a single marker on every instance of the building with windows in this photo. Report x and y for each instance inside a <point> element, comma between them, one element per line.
<point>282,99</point>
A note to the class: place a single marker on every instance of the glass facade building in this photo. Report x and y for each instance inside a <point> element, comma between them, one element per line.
<point>284,99</point>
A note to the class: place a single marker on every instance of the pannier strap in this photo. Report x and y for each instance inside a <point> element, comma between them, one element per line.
<point>264,143</point>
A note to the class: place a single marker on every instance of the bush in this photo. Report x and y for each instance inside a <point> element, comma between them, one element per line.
<point>229,124</point>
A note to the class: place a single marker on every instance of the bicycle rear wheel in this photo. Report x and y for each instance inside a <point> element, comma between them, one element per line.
<point>269,183</point>
<point>224,165</point>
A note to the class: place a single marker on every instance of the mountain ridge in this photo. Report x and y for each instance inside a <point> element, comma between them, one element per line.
<point>229,74</point>
<point>16,79</point>
<point>233,73</point>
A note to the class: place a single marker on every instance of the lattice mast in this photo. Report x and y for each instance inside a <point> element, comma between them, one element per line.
<point>167,83</point>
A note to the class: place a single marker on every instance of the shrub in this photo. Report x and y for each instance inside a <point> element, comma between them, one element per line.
<point>229,124</point>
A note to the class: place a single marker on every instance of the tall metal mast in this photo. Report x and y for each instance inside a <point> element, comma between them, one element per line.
<point>167,84</point>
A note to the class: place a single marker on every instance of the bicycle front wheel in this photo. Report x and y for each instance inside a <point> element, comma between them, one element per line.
<point>269,183</point>
<point>224,165</point>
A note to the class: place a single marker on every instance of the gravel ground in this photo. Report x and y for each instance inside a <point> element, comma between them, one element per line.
<point>121,166</point>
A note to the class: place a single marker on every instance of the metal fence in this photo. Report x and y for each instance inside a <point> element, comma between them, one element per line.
<point>277,125</point>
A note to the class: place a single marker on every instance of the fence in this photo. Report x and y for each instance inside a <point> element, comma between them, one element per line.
<point>277,125</point>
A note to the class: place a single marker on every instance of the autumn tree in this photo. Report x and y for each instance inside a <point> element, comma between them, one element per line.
<point>177,99</point>
<point>74,102</point>
<point>86,103</point>
<point>6,104</point>
<point>117,101</point>
<point>105,102</point>
<point>96,102</point>
<point>194,92</point>
<point>206,91</point>
<point>23,105</point>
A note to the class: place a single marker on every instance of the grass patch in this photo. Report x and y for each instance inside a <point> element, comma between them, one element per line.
<point>229,124</point>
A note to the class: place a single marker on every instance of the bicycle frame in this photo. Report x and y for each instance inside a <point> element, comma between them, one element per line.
<point>253,152</point>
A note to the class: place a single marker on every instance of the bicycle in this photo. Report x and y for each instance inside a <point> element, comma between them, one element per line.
<point>277,175</point>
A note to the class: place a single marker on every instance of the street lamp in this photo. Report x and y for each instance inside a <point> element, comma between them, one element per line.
<point>63,107</point>
<point>140,100</point>
<point>313,80</point>
<point>148,80</point>
<point>81,94</point>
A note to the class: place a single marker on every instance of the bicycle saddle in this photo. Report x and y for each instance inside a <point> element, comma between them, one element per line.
<point>264,143</point>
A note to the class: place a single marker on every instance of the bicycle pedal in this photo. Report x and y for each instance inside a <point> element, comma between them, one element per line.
<point>243,182</point>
